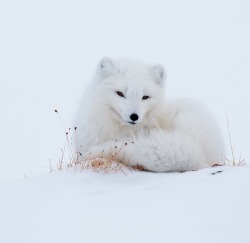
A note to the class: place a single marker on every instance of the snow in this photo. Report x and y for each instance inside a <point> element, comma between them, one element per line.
<point>74,206</point>
<point>49,50</point>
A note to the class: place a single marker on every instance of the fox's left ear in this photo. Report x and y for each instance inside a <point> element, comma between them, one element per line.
<point>159,74</point>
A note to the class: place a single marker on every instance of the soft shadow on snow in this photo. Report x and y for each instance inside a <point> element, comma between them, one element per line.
<point>74,206</point>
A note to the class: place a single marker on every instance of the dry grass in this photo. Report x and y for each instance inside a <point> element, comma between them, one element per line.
<point>232,160</point>
<point>99,163</point>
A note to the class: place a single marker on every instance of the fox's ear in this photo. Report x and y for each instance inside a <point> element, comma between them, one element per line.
<point>159,74</point>
<point>106,67</point>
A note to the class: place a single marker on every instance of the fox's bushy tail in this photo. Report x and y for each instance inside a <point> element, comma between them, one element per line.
<point>159,151</point>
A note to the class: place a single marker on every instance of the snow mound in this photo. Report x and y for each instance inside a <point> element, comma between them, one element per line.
<point>210,205</point>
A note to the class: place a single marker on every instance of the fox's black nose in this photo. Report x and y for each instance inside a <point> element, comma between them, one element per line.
<point>134,117</point>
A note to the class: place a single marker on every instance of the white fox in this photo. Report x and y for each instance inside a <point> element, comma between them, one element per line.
<point>124,112</point>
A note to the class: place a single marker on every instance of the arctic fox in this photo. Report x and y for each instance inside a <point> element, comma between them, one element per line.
<point>125,113</point>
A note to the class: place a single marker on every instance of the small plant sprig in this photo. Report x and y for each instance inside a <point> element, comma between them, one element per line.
<point>233,161</point>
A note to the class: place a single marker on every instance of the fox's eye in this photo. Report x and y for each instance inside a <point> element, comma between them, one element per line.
<point>145,97</point>
<point>120,93</point>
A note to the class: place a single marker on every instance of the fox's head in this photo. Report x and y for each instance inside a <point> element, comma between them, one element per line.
<point>131,90</point>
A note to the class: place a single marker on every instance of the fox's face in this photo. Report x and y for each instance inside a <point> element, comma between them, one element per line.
<point>130,91</point>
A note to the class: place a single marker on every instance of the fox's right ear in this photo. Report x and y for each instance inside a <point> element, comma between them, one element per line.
<point>106,67</point>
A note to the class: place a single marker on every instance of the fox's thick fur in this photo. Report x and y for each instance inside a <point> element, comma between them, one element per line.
<point>124,113</point>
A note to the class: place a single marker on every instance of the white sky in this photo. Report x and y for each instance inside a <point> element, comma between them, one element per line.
<point>49,50</point>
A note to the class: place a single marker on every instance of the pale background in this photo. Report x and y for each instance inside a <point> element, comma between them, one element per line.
<point>49,50</point>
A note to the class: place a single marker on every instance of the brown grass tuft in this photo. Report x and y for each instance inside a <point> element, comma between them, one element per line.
<point>232,160</point>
